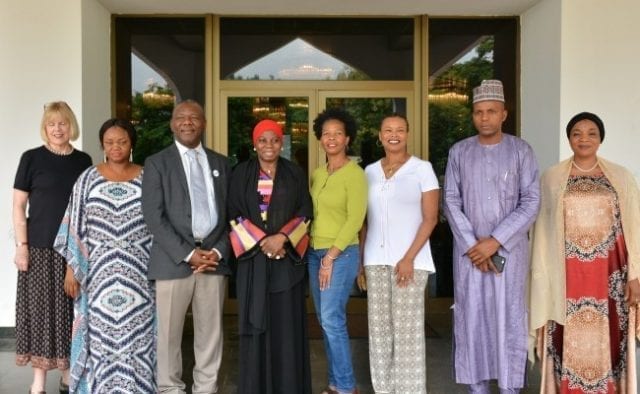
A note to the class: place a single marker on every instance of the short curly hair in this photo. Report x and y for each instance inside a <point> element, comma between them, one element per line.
<point>339,114</point>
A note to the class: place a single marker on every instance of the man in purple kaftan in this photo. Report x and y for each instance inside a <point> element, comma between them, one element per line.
<point>491,198</point>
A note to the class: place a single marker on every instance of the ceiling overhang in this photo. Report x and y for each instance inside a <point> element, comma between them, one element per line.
<point>321,8</point>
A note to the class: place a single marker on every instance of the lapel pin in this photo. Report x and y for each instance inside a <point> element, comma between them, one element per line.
<point>216,173</point>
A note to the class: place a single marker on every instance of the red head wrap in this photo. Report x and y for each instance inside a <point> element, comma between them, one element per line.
<point>264,126</point>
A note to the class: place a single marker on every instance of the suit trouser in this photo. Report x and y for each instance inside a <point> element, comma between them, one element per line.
<point>206,294</point>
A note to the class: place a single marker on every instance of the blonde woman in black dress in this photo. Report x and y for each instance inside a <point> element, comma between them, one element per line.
<point>43,183</point>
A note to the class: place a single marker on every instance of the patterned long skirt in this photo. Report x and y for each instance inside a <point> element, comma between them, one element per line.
<point>44,313</point>
<point>594,351</point>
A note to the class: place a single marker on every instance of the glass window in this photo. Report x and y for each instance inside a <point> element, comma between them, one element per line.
<point>290,112</point>
<point>368,113</point>
<point>463,52</point>
<point>316,49</point>
<point>159,61</point>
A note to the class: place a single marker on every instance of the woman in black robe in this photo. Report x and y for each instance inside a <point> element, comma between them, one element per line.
<point>270,208</point>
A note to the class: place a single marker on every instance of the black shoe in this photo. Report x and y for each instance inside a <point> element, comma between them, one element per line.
<point>64,388</point>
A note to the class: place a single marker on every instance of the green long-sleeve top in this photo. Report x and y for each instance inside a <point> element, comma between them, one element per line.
<point>339,206</point>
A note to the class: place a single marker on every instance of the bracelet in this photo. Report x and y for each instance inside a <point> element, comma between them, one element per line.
<point>330,256</point>
<point>325,267</point>
<point>19,244</point>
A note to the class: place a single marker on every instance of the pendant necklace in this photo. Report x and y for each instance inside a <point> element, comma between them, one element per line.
<point>392,167</point>
<point>267,171</point>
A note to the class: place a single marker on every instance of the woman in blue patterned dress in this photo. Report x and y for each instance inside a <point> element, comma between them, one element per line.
<point>106,243</point>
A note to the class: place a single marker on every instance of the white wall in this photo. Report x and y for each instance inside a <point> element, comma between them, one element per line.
<point>43,60</point>
<point>540,55</point>
<point>581,55</point>
<point>96,74</point>
<point>600,73</point>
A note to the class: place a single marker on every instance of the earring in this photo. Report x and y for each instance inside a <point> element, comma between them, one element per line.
<point>378,143</point>
<point>105,157</point>
<point>254,148</point>
<point>131,155</point>
<point>282,149</point>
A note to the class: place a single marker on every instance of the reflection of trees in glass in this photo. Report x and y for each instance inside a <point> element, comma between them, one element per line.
<point>449,122</point>
<point>450,104</point>
<point>297,125</point>
<point>350,74</point>
<point>368,113</point>
<point>151,113</point>
<point>475,69</point>
<point>245,112</point>
<point>241,122</point>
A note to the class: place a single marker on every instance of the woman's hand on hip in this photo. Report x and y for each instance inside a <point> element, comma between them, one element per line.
<point>71,285</point>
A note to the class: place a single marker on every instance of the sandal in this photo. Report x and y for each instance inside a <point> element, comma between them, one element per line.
<point>63,388</point>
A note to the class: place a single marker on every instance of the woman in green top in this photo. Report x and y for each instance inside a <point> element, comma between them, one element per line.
<point>339,194</point>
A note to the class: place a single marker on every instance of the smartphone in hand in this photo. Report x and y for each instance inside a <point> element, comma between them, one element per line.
<point>498,261</point>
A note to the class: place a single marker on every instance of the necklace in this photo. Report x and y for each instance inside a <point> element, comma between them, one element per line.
<point>582,169</point>
<point>267,171</point>
<point>389,169</point>
<point>65,152</point>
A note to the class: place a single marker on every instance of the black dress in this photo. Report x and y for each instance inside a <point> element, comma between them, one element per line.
<point>44,313</point>
<point>273,339</point>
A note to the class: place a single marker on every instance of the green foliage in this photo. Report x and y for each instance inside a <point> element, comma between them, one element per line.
<point>449,122</point>
<point>241,122</point>
<point>151,113</point>
<point>473,71</point>
<point>349,74</point>
<point>450,119</point>
<point>242,119</point>
<point>368,113</point>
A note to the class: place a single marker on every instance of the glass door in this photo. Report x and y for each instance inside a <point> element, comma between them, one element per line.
<point>369,108</point>
<point>241,111</point>
<point>295,110</point>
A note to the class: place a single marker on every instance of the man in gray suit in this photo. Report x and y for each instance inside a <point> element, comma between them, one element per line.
<point>184,203</point>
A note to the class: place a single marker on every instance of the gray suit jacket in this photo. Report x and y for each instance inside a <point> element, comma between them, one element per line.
<point>167,211</point>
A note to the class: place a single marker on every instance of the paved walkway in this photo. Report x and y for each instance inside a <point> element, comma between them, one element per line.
<point>14,379</point>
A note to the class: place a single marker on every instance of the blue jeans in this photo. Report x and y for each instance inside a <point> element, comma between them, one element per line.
<point>331,309</point>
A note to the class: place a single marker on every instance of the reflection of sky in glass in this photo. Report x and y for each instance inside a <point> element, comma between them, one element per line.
<point>297,60</point>
<point>142,75</point>
<point>473,52</point>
